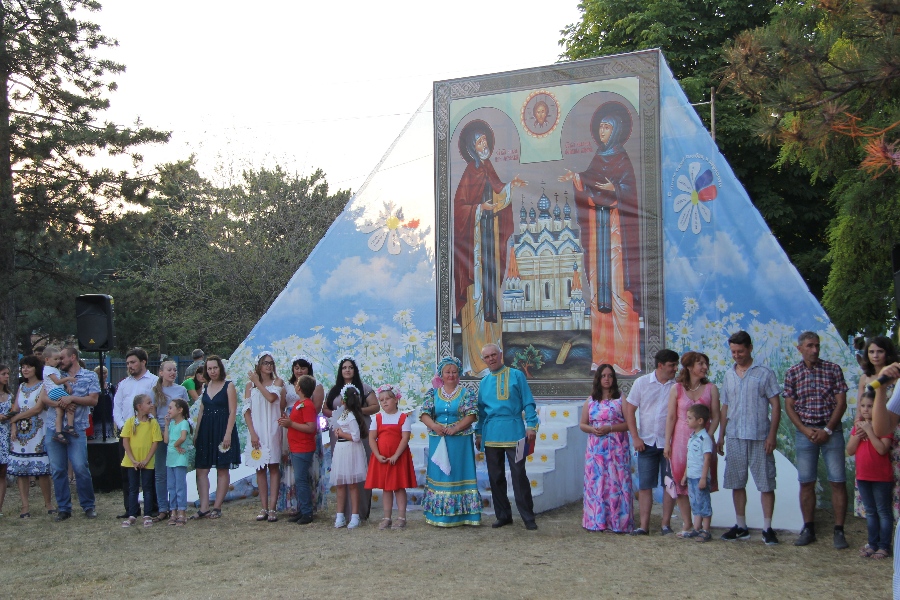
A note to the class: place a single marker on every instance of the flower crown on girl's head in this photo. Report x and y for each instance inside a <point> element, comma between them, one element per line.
<point>264,353</point>
<point>301,357</point>
<point>392,389</point>
<point>347,357</point>
<point>347,387</point>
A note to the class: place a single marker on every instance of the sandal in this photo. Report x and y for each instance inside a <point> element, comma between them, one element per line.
<point>400,524</point>
<point>59,437</point>
<point>162,516</point>
<point>199,515</point>
<point>384,524</point>
<point>148,521</point>
<point>263,515</point>
<point>70,430</point>
<point>273,516</point>
<point>172,519</point>
<point>129,522</point>
<point>686,534</point>
<point>880,554</point>
<point>702,536</point>
<point>866,551</point>
<point>25,515</point>
<point>215,513</point>
<point>179,522</point>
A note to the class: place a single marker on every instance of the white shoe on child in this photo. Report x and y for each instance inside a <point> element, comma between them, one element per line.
<point>354,522</point>
<point>339,521</point>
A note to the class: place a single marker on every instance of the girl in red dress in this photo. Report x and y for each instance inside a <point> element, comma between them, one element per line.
<point>391,465</point>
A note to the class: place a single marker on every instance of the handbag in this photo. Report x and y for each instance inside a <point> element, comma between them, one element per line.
<point>669,479</point>
<point>190,451</point>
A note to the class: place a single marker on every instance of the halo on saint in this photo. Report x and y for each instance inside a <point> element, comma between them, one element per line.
<point>617,115</point>
<point>469,136</point>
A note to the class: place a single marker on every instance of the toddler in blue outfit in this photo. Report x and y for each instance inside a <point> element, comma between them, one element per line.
<point>696,475</point>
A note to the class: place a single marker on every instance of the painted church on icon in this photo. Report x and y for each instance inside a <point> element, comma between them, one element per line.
<point>543,279</point>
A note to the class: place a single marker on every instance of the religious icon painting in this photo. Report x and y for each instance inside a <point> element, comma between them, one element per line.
<point>548,203</point>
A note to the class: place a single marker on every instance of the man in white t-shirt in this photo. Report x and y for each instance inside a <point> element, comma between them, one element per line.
<point>885,417</point>
<point>139,381</point>
<point>650,396</point>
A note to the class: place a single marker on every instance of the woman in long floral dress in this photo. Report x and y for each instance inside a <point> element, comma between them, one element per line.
<point>451,499</point>
<point>607,461</point>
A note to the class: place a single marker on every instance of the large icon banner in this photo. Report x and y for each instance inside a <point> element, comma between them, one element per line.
<point>549,233</point>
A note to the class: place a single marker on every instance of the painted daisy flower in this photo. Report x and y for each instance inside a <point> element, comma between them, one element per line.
<point>691,305</point>
<point>360,318</point>
<point>698,189</point>
<point>390,227</point>
<point>404,316</point>
<point>721,304</point>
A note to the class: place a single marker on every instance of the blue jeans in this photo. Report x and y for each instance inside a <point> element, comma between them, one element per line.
<point>141,479</point>
<point>60,457</point>
<point>162,497</point>
<point>176,479</point>
<point>807,457</point>
<point>301,462</point>
<point>877,498</point>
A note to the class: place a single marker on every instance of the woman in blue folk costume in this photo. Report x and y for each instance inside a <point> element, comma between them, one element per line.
<point>449,411</point>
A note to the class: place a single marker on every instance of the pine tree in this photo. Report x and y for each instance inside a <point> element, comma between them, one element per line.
<point>53,86</point>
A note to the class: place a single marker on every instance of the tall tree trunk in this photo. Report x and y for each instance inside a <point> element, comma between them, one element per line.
<point>8,353</point>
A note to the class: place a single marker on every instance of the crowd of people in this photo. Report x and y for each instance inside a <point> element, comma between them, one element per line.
<point>668,419</point>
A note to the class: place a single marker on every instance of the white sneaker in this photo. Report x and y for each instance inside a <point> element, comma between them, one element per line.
<point>354,522</point>
<point>340,521</point>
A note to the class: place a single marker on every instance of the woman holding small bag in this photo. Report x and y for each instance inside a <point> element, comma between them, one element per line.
<point>452,497</point>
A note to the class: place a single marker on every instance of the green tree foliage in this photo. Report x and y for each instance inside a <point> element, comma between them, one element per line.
<point>825,78</point>
<point>206,262</point>
<point>692,34</point>
<point>52,89</point>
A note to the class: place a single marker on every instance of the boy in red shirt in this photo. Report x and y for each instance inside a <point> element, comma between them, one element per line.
<point>302,425</point>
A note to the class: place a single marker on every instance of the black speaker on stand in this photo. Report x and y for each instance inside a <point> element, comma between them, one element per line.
<point>95,333</point>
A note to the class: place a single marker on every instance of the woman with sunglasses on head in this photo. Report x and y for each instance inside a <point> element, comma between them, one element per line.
<point>264,402</point>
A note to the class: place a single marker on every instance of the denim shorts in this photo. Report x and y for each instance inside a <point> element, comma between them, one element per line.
<point>701,504</point>
<point>649,468</point>
<point>807,457</point>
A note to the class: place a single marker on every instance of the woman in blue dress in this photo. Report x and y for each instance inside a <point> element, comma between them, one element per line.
<point>451,499</point>
<point>216,439</point>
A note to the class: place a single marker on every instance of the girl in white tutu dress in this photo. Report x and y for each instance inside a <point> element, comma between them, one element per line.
<point>349,465</point>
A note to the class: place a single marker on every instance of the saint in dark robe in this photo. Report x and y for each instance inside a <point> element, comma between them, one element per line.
<point>482,226</point>
<point>606,201</point>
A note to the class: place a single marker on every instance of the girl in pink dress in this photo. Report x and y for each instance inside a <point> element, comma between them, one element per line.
<point>691,387</point>
<point>607,461</point>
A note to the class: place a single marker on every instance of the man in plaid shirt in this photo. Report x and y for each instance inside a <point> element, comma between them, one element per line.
<point>815,399</point>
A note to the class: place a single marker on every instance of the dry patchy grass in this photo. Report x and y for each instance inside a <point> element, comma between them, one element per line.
<point>238,557</point>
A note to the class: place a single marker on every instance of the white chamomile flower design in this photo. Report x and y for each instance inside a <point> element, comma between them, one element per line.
<point>697,190</point>
<point>390,227</point>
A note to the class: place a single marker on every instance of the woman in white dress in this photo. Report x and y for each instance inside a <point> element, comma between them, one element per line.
<point>264,402</point>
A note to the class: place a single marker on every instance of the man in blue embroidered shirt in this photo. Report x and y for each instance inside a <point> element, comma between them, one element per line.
<point>502,397</point>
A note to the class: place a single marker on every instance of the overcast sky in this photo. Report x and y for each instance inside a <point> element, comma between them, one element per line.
<point>307,84</point>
